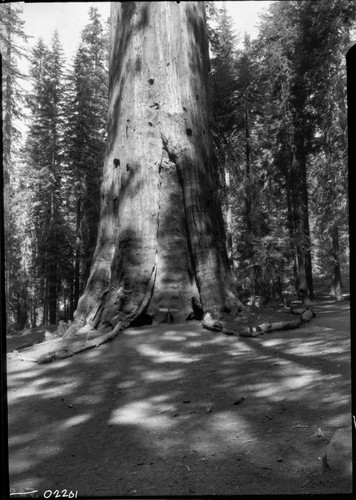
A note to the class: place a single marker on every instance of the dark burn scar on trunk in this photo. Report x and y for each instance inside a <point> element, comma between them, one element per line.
<point>189,131</point>
<point>116,162</point>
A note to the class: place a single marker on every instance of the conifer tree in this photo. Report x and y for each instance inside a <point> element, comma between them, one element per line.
<point>223,106</point>
<point>296,41</point>
<point>13,48</point>
<point>45,145</point>
<point>287,66</point>
<point>85,144</point>
<point>330,24</point>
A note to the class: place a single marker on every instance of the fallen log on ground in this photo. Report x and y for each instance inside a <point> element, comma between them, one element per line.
<point>249,331</point>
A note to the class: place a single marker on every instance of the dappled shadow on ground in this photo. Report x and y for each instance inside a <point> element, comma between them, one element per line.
<point>178,410</point>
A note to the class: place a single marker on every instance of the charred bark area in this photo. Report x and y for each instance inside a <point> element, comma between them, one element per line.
<point>161,237</point>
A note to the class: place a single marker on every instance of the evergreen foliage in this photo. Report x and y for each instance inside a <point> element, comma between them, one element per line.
<point>286,93</point>
<point>56,182</point>
<point>45,154</point>
<point>13,42</point>
<point>85,144</point>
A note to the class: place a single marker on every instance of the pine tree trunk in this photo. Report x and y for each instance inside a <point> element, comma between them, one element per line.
<point>34,316</point>
<point>248,177</point>
<point>306,228</point>
<point>336,284</point>
<point>52,264</point>
<point>248,206</point>
<point>52,291</point>
<point>299,221</point>
<point>77,253</point>
<point>161,236</point>
<point>228,218</point>
<point>72,302</point>
<point>45,301</point>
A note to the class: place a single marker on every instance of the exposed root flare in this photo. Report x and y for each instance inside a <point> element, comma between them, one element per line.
<point>61,348</point>
<point>85,338</point>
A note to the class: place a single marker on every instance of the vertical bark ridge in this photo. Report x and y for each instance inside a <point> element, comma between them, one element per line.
<point>161,236</point>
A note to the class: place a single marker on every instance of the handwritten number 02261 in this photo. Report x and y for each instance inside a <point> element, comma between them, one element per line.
<point>60,494</point>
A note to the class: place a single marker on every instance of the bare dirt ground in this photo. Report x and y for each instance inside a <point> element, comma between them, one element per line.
<point>174,410</point>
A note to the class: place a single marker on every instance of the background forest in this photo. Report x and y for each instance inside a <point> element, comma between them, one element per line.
<point>279,124</point>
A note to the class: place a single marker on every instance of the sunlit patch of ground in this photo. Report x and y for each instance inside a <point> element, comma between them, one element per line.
<point>179,410</point>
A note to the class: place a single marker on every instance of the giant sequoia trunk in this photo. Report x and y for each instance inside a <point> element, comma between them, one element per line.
<point>161,236</point>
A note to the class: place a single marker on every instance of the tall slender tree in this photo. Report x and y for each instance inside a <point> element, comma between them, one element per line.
<point>13,48</point>
<point>248,107</point>
<point>288,65</point>
<point>329,25</point>
<point>45,158</point>
<point>297,40</point>
<point>85,143</point>
<point>223,108</point>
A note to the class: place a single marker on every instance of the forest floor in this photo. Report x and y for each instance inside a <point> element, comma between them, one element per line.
<point>174,410</point>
